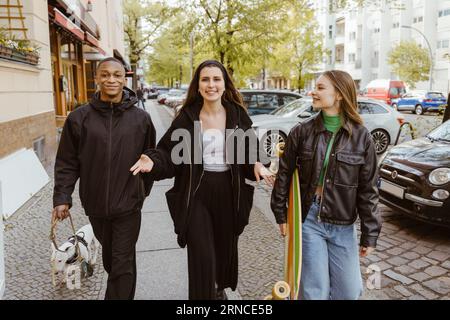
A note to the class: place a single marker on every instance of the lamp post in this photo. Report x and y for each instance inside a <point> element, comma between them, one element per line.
<point>430,52</point>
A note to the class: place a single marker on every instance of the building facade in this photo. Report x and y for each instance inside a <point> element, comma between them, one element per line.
<point>35,99</point>
<point>359,40</point>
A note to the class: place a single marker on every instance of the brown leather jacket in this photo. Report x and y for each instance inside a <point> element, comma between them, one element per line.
<point>350,182</point>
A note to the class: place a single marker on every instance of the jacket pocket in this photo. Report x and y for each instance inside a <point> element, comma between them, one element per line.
<point>304,165</point>
<point>245,206</point>
<point>347,168</point>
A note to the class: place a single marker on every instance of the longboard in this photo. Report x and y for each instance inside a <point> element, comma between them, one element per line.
<point>290,287</point>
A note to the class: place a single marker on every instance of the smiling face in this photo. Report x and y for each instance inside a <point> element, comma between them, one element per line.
<point>325,95</point>
<point>211,84</point>
<point>111,79</point>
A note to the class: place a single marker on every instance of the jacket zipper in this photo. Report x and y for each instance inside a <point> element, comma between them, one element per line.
<point>203,170</point>
<point>325,177</point>
<point>108,178</point>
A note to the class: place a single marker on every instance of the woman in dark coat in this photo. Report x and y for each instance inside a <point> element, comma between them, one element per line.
<point>210,149</point>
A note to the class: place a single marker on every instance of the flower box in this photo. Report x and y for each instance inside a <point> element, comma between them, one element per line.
<point>18,56</point>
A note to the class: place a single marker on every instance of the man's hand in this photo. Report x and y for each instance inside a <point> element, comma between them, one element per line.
<point>262,172</point>
<point>60,212</point>
<point>365,251</point>
<point>144,164</point>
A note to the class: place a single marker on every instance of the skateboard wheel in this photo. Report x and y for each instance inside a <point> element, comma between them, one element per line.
<point>269,297</point>
<point>281,291</point>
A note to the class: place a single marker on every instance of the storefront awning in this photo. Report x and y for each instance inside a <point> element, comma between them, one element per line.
<point>117,55</point>
<point>64,22</point>
<point>92,41</point>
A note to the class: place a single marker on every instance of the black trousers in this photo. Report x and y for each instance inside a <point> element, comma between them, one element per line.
<point>118,237</point>
<point>211,241</point>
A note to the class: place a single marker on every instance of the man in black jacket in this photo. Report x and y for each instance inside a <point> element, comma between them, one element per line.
<point>100,142</point>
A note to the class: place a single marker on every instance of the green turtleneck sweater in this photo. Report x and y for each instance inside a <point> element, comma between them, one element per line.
<point>332,124</point>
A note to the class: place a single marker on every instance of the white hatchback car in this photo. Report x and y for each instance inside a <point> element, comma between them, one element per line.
<point>381,120</point>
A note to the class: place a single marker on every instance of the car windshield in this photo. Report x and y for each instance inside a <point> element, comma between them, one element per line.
<point>436,95</point>
<point>290,109</point>
<point>441,133</point>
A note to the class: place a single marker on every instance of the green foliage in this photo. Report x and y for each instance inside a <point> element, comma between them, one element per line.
<point>410,62</point>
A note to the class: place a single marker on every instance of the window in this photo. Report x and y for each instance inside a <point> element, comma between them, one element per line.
<point>267,101</point>
<point>351,57</point>
<point>443,13</point>
<point>330,32</point>
<point>418,19</point>
<point>287,99</point>
<point>441,44</point>
<point>371,108</point>
<point>396,25</point>
<point>376,30</point>
<point>352,36</point>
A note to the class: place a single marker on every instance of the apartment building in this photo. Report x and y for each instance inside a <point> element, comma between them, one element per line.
<point>358,40</point>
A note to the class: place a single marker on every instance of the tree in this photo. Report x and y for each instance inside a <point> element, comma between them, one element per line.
<point>142,22</point>
<point>410,62</point>
<point>238,32</point>
<point>301,50</point>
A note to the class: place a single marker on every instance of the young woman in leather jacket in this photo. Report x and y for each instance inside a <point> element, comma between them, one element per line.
<point>337,165</point>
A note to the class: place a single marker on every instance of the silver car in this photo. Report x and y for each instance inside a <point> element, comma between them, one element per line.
<point>381,120</point>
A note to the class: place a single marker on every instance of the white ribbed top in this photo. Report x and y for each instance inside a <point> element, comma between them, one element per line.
<point>214,151</point>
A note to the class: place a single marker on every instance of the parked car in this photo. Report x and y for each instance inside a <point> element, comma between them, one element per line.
<point>175,100</point>
<point>415,177</point>
<point>266,101</point>
<point>156,91</point>
<point>420,102</point>
<point>384,89</point>
<point>171,93</point>
<point>381,120</point>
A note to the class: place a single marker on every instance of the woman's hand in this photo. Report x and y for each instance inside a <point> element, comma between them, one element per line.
<point>283,229</point>
<point>365,251</point>
<point>262,172</point>
<point>144,164</point>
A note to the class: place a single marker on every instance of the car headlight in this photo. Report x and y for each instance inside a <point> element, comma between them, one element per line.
<point>440,176</point>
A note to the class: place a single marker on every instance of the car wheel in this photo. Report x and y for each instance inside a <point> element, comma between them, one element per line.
<point>381,140</point>
<point>418,110</point>
<point>395,106</point>
<point>270,141</point>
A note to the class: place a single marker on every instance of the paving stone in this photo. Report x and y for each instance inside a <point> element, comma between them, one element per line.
<point>405,269</point>
<point>420,276</point>
<point>439,255</point>
<point>423,292</point>
<point>418,264</point>
<point>446,265</point>
<point>383,265</point>
<point>395,251</point>
<point>407,245</point>
<point>440,285</point>
<point>403,291</point>
<point>421,250</point>
<point>435,271</point>
<point>398,277</point>
<point>397,261</point>
<point>416,297</point>
<point>431,261</point>
<point>410,255</point>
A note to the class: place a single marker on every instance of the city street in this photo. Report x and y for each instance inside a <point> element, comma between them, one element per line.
<point>413,257</point>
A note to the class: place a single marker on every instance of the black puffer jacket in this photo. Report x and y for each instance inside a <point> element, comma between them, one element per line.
<point>99,144</point>
<point>350,184</point>
<point>188,175</point>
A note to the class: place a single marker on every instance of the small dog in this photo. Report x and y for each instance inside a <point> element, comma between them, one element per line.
<point>64,258</point>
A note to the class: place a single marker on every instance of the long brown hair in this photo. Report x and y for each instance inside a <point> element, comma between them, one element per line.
<point>231,94</point>
<point>345,85</point>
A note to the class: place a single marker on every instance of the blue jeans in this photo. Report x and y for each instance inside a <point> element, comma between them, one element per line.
<point>330,265</point>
